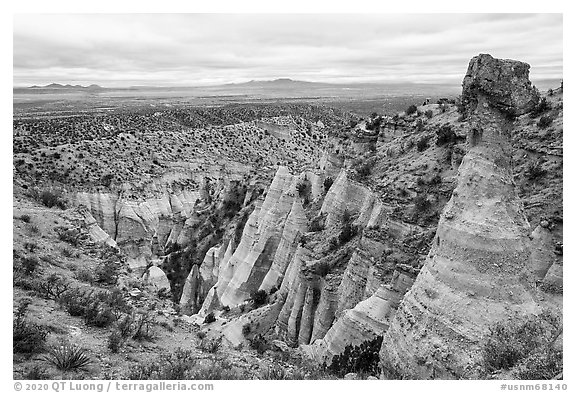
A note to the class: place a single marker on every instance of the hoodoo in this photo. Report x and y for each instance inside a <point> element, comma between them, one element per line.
<point>474,275</point>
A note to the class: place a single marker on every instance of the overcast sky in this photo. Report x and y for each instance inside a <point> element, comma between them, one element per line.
<point>204,49</point>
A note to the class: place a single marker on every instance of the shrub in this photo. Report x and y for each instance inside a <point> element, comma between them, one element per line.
<point>211,345</point>
<point>445,134</point>
<point>84,275</point>
<point>144,327</point>
<point>52,198</point>
<point>411,109</point>
<point>543,106</point>
<point>422,144</point>
<point>525,343</point>
<point>246,329</point>
<point>421,203</point>
<point>68,235</point>
<point>25,218</point>
<point>99,315</point>
<point>53,286</point>
<point>210,318</point>
<point>27,337</point>
<point>29,264</point>
<point>115,341</point>
<point>322,268</point>
<point>259,298</point>
<point>429,114</point>
<point>301,187</point>
<point>348,230</point>
<point>177,365</point>
<point>259,343</point>
<point>545,121</point>
<point>328,183</point>
<point>35,373</point>
<point>363,358</point>
<point>33,229</point>
<point>107,272</point>
<point>364,169</point>
<point>68,253</point>
<point>125,326</point>
<point>535,170</point>
<point>68,357</point>
<point>274,372</point>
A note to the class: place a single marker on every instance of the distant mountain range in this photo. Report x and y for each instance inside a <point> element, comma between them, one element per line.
<point>69,87</point>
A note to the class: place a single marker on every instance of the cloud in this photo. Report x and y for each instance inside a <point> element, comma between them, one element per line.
<point>193,49</point>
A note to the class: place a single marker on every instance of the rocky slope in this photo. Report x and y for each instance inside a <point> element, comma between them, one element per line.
<point>422,230</point>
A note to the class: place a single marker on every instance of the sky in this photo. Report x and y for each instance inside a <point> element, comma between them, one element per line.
<point>118,50</point>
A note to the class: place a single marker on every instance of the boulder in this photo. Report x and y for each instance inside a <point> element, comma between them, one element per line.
<point>504,82</point>
<point>156,276</point>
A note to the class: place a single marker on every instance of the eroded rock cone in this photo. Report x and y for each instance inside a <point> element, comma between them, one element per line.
<point>473,276</point>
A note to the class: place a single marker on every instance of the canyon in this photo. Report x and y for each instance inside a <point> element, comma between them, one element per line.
<point>423,230</point>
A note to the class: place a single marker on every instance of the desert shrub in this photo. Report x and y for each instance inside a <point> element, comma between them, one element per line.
<point>526,345</point>
<point>85,275</point>
<point>545,121</point>
<point>211,345</point>
<point>363,358</point>
<point>52,198</point>
<point>437,179</point>
<point>68,357</point>
<point>210,318</point>
<point>328,183</point>
<point>542,106</point>
<point>348,230</point>
<point>429,114</point>
<point>68,235</point>
<point>115,341</point>
<point>421,203</point>
<point>27,337</point>
<point>274,372</point>
<point>144,326</point>
<point>443,107</point>
<point>322,268</point>
<point>53,286</point>
<point>216,370</point>
<point>535,170</point>
<point>411,109</point>
<point>316,224</point>
<point>273,290</point>
<point>76,301</point>
<point>422,143</point>
<point>107,272</point>
<point>99,315</point>
<point>445,134</point>
<point>177,365</point>
<point>545,363</point>
<point>246,329</point>
<point>36,373</point>
<point>259,298</point>
<point>363,169</point>
<point>25,218</point>
<point>124,326</point>
<point>29,264</point>
<point>68,253</point>
<point>259,343</point>
<point>301,187</point>
<point>33,229</point>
